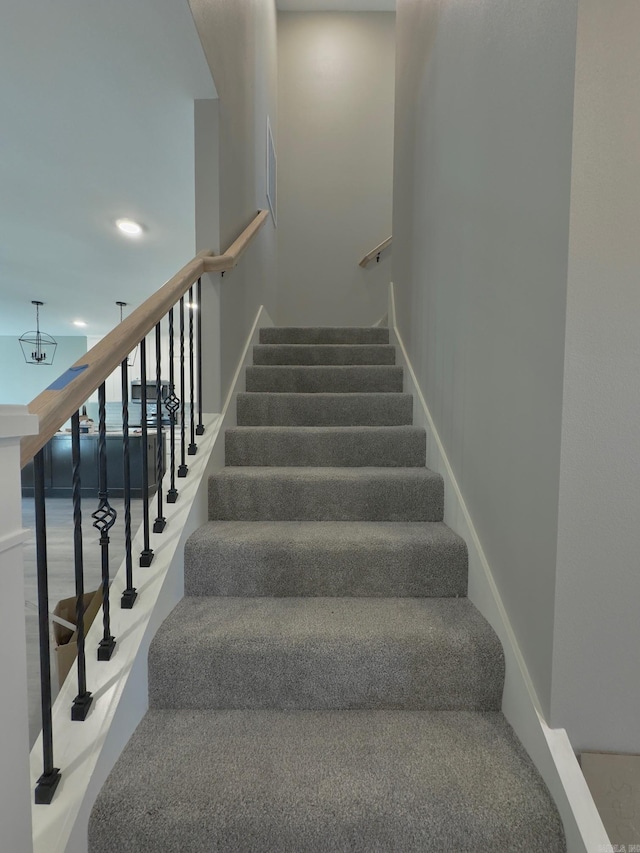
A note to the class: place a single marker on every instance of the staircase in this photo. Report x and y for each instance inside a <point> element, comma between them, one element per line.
<point>325,685</point>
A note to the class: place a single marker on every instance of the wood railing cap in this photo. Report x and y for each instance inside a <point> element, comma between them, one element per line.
<point>54,407</point>
<point>375,252</point>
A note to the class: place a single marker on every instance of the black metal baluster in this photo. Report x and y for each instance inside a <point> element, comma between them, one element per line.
<point>161,522</point>
<point>193,447</point>
<point>129,595</point>
<point>146,557</point>
<point>83,700</point>
<point>48,782</point>
<point>183,469</point>
<point>200,427</point>
<point>104,519</point>
<point>172,404</point>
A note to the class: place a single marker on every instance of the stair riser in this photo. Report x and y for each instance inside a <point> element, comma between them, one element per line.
<point>323,354</point>
<point>280,499</point>
<point>314,380</point>
<point>352,447</point>
<point>320,675</point>
<point>324,335</point>
<point>238,568</point>
<point>324,409</point>
<point>371,782</point>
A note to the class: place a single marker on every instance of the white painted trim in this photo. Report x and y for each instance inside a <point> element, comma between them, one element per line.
<point>13,539</point>
<point>17,421</point>
<point>53,617</point>
<point>86,752</point>
<point>15,796</point>
<point>549,749</point>
<point>262,320</point>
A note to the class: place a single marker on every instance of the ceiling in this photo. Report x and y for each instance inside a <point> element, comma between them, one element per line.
<point>97,124</point>
<point>336,5</point>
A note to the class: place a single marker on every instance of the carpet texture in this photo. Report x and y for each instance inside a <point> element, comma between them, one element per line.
<point>313,781</point>
<point>325,686</point>
<point>326,494</point>
<point>315,379</point>
<point>328,354</point>
<point>335,558</point>
<point>321,653</point>
<point>373,447</point>
<point>324,409</point>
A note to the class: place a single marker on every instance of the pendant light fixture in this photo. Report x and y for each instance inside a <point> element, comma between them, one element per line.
<point>131,358</point>
<point>38,347</point>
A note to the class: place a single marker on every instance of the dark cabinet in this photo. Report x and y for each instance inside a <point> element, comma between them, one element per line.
<point>58,467</point>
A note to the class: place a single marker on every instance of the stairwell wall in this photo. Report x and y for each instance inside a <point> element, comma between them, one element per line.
<point>482,161</point>
<point>596,689</point>
<point>239,42</point>
<point>336,93</point>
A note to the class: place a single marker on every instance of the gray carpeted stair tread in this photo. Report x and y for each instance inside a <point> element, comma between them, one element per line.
<point>324,409</point>
<point>324,782</point>
<point>327,595</point>
<point>328,558</point>
<point>324,335</point>
<point>337,379</point>
<point>360,446</point>
<point>326,653</point>
<point>324,354</point>
<point>326,494</point>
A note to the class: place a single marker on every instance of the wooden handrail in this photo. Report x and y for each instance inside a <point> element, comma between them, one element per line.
<point>55,407</point>
<point>375,253</point>
<point>222,263</point>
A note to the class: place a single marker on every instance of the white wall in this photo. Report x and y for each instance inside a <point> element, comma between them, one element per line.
<point>207,162</point>
<point>482,155</point>
<point>21,382</point>
<point>335,164</point>
<point>239,41</point>
<point>596,683</point>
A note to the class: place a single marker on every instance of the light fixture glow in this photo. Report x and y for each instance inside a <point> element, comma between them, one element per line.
<point>192,305</point>
<point>79,323</point>
<point>129,227</point>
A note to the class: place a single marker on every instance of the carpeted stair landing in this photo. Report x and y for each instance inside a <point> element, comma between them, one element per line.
<point>325,685</point>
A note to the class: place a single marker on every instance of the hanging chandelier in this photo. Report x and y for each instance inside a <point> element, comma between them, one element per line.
<point>131,358</point>
<point>38,347</point>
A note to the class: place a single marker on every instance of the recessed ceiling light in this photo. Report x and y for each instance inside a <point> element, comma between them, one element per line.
<point>129,227</point>
<point>79,323</point>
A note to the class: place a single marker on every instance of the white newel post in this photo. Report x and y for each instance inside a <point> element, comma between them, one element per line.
<point>15,793</point>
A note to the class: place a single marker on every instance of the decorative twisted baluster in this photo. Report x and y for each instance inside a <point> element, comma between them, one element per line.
<point>172,405</point>
<point>103,520</point>
<point>160,522</point>
<point>48,781</point>
<point>200,427</point>
<point>83,700</point>
<point>183,469</point>
<point>129,595</point>
<point>193,447</point>
<point>146,556</point>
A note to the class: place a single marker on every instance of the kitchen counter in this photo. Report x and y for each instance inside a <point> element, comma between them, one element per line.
<point>58,465</point>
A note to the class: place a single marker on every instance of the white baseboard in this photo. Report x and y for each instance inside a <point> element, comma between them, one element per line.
<point>549,749</point>
<point>87,751</point>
